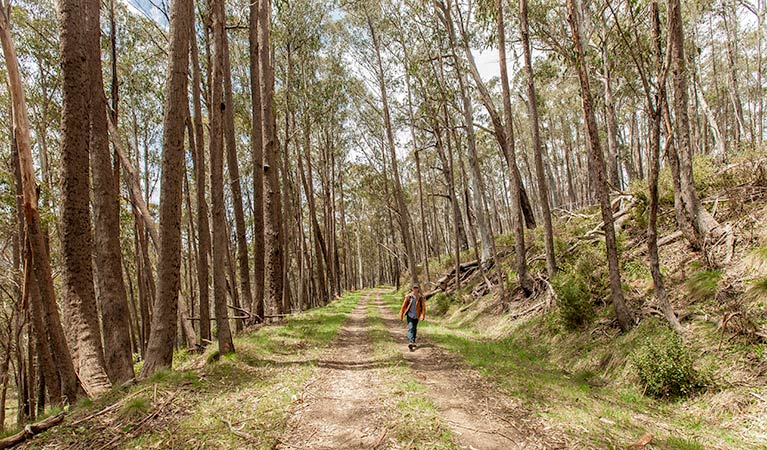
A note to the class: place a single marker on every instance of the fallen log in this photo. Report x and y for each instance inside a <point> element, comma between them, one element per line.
<point>31,430</point>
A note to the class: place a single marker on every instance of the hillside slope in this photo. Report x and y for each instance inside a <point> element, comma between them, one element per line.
<point>563,351</point>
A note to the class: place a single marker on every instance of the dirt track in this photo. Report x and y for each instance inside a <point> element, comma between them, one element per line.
<point>340,406</point>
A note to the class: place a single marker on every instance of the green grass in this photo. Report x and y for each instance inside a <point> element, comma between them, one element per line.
<point>573,379</point>
<point>253,389</point>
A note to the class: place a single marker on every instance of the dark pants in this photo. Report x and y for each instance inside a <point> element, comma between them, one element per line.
<point>412,329</point>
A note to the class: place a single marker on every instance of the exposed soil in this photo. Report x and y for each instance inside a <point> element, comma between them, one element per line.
<point>479,416</point>
<point>341,407</point>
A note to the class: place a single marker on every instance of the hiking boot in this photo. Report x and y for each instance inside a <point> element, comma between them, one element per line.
<point>411,346</point>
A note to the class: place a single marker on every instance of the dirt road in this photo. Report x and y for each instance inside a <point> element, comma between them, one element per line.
<point>341,405</point>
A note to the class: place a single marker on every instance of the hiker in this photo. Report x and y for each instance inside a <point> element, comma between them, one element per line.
<point>414,307</point>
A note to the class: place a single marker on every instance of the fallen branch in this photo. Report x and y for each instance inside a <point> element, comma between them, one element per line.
<point>31,430</point>
<point>238,432</point>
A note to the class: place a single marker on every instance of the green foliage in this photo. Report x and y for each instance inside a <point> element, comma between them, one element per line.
<point>440,303</point>
<point>666,368</point>
<point>135,407</point>
<point>574,299</point>
<point>637,270</point>
<point>759,287</point>
<point>703,285</point>
<point>681,443</point>
<point>505,240</point>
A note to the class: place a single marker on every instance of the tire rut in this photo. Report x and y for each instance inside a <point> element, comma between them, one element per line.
<point>340,407</point>
<point>479,416</point>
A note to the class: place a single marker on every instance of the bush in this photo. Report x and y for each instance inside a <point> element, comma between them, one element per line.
<point>665,368</point>
<point>441,303</point>
<point>574,299</point>
<point>703,285</point>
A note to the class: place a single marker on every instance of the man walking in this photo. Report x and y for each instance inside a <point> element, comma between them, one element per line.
<point>414,307</point>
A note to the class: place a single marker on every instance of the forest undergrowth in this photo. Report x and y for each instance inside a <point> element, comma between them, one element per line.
<point>566,357</point>
<point>208,399</point>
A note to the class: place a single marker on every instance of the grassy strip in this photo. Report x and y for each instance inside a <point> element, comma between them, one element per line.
<point>189,407</point>
<point>599,413</point>
<point>416,422</point>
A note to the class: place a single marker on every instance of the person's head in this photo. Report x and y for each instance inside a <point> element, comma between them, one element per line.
<point>416,288</point>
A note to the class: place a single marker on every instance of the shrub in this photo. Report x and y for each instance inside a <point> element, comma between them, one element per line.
<point>704,284</point>
<point>666,369</point>
<point>441,303</point>
<point>574,299</point>
<point>135,407</point>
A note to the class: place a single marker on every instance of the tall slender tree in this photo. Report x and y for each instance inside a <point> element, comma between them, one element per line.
<point>216,145</point>
<point>257,154</point>
<point>200,172</point>
<point>598,164</point>
<point>77,240</point>
<point>246,295</point>
<point>115,317</point>
<point>273,266</point>
<point>163,332</point>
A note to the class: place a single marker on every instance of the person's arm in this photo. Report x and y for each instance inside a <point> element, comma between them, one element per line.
<point>403,308</point>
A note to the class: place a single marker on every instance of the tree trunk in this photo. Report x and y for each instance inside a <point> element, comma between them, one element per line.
<point>115,317</point>
<point>273,267</point>
<point>216,145</point>
<point>478,188</point>
<point>706,228</point>
<point>257,152</point>
<point>163,332</point>
<point>76,238</point>
<point>597,162</point>
<point>246,296</point>
<point>38,250</point>
<point>203,226</point>
<point>652,179</point>
<point>402,209</point>
<point>532,107</point>
<point>613,175</point>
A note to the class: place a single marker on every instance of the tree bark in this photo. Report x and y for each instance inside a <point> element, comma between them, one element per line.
<point>613,175</point>
<point>257,152</point>
<point>532,107</point>
<point>273,266</point>
<point>597,162</point>
<point>652,179</point>
<point>76,237</point>
<point>38,250</point>
<point>707,230</point>
<point>216,145</point>
<point>203,226</point>
<point>246,294</point>
<point>163,330</point>
<point>115,316</point>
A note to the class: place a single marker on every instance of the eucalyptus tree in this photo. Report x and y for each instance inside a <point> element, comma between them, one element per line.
<point>65,385</point>
<point>272,203</point>
<point>216,145</point>
<point>163,333</point>
<point>76,237</point>
<point>597,162</point>
<point>115,316</point>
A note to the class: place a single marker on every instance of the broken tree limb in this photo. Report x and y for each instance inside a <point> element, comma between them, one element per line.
<point>136,198</point>
<point>31,430</point>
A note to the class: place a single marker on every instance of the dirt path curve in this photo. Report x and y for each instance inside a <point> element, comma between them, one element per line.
<point>340,407</point>
<point>479,416</point>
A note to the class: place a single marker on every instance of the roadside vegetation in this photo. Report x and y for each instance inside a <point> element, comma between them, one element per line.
<point>211,400</point>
